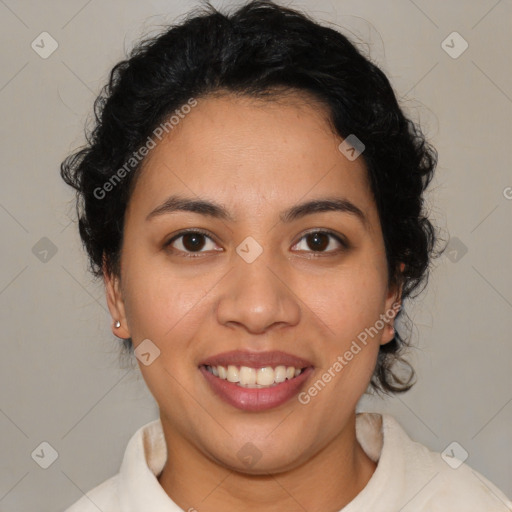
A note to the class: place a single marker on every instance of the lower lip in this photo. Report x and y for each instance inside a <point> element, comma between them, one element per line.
<point>256,399</point>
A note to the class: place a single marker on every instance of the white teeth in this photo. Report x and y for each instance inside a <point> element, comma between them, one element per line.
<point>255,377</point>
<point>223,373</point>
<point>248,376</point>
<point>233,375</point>
<point>280,374</point>
<point>265,376</point>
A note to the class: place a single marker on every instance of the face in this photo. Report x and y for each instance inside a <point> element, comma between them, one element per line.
<point>253,274</point>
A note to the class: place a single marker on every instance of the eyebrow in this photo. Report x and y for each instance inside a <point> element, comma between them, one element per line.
<point>176,203</point>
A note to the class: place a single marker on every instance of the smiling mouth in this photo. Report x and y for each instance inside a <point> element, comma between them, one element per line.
<point>255,378</point>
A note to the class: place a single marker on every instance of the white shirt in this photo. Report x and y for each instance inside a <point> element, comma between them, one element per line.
<point>408,478</point>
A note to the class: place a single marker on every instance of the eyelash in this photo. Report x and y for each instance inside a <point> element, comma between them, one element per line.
<point>199,231</point>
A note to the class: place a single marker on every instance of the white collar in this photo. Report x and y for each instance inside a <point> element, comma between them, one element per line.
<point>145,457</point>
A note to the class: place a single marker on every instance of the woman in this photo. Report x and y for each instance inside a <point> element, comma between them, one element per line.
<point>252,196</point>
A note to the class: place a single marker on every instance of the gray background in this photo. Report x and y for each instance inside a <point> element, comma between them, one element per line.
<point>61,377</point>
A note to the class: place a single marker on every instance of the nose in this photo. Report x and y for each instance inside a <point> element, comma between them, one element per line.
<point>257,297</point>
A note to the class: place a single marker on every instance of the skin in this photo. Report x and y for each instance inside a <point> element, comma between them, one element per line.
<point>256,158</point>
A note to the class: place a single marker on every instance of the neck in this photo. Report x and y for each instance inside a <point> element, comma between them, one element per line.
<point>328,481</point>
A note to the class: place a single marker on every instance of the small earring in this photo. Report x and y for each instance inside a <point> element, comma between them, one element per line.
<point>117,324</point>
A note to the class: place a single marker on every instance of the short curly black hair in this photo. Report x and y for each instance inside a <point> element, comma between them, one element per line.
<point>259,50</point>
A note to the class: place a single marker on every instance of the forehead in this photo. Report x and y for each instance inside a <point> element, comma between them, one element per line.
<point>252,154</point>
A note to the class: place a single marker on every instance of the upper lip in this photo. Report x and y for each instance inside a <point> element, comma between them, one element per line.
<point>255,359</point>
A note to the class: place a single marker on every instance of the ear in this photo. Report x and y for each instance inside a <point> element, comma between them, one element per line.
<point>115,303</point>
<point>393,305</point>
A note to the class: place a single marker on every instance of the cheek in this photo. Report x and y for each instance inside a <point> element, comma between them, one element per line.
<point>167,310</point>
<point>351,308</point>
<point>155,303</point>
<point>167,307</point>
<point>348,302</point>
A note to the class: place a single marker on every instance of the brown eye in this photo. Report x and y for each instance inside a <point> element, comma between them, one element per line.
<point>189,242</point>
<point>193,241</point>
<point>319,241</point>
